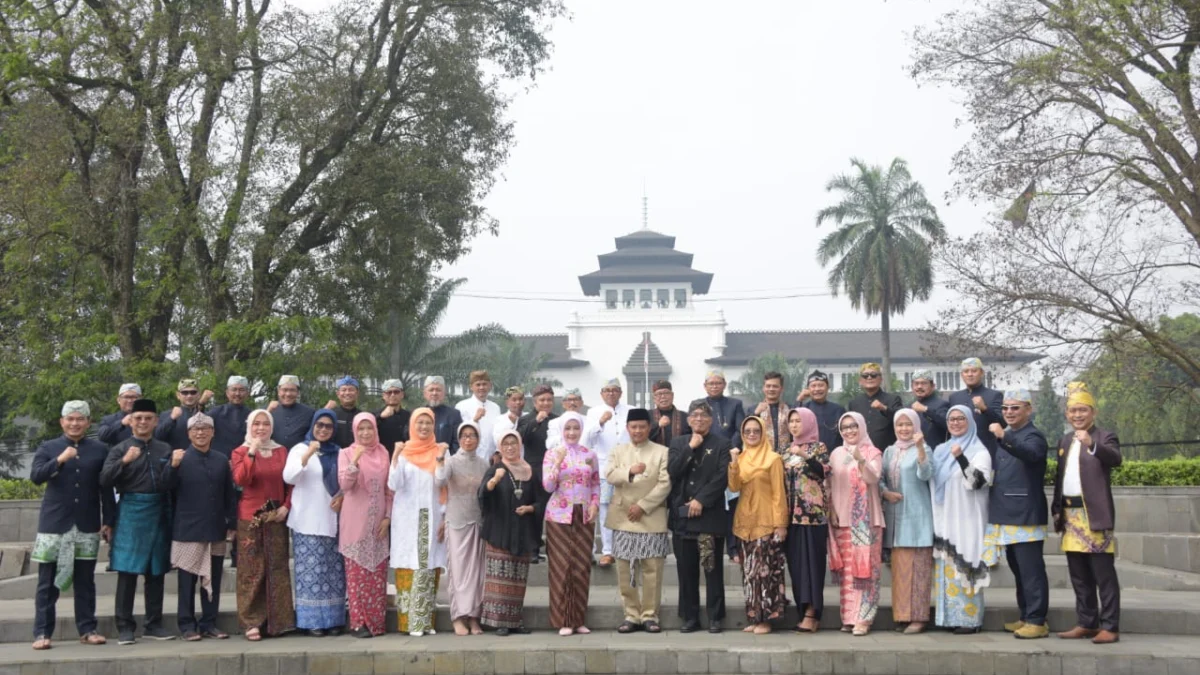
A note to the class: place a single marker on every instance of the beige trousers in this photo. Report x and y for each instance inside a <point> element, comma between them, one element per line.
<point>645,608</point>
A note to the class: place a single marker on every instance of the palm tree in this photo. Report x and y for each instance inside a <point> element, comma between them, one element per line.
<point>414,352</point>
<point>511,362</point>
<point>886,232</point>
<point>748,387</point>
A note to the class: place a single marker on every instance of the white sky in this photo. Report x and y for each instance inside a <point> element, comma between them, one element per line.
<point>734,116</point>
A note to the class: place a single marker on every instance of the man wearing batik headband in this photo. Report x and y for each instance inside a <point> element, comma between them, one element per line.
<point>878,407</point>
<point>984,402</point>
<point>292,418</point>
<point>1084,514</point>
<point>76,512</point>
<point>931,408</point>
<point>114,428</point>
<point>514,402</point>
<point>446,420</point>
<point>229,418</point>
<point>605,430</point>
<point>172,424</point>
<point>815,397</point>
<point>393,419</point>
<point>478,409</point>
<point>139,469</point>
<point>1017,512</point>
<point>345,408</point>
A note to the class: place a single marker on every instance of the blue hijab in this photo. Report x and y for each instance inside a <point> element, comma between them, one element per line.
<point>944,463</point>
<point>328,454</point>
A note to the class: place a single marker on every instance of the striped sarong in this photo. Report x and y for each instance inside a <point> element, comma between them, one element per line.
<point>505,577</point>
<point>569,555</point>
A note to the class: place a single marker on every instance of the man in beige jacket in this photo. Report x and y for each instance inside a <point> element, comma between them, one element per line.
<point>637,470</point>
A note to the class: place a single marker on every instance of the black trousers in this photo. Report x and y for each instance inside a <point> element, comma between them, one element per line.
<point>210,605</point>
<point>1028,565</point>
<point>687,561</point>
<point>732,542</point>
<point>1092,573</point>
<point>46,598</point>
<point>152,592</point>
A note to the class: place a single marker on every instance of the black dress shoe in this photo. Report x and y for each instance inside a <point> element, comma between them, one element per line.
<point>715,627</point>
<point>502,632</point>
<point>690,627</point>
<point>316,632</point>
<point>362,633</point>
<point>964,630</point>
<point>336,632</point>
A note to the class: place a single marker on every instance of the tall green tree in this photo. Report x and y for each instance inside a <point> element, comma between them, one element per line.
<point>1048,409</point>
<point>748,387</point>
<point>1085,112</point>
<point>886,228</point>
<point>228,185</point>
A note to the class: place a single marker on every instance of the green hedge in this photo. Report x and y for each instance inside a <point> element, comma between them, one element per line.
<point>1179,471</point>
<point>20,488</point>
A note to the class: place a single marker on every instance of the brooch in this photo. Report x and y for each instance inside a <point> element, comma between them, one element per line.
<point>708,451</point>
<point>1060,452</point>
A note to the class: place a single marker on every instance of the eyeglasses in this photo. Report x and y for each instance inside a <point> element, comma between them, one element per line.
<point>322,425</point>
<point>393,392</point>
<point>869,376</point>
<point>1007,408</point>
<point>189,392</point>
<point>960,420</point>
<point>851,427</point>
<point>610,391</point>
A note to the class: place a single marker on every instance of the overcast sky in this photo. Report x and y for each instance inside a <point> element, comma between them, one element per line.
<point>733,116</point>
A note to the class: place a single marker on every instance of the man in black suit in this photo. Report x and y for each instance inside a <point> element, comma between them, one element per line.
<point>698,465</point>
<point>985,402</point>
<point>446,418</point>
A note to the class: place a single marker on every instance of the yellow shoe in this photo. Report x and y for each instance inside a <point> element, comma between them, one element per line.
<point>1031,631</point>
<point>1013,626</point>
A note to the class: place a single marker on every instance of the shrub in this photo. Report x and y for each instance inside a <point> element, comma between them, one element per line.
<point>20,488</point>
<point>1157,472</point>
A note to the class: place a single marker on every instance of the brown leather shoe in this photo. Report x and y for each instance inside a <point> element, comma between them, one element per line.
<point>1078,633</point>
<point>1106,637</point>
<point>607,561</point>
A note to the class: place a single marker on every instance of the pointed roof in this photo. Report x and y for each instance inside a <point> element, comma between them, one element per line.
<point>636,363</point>
<point>645,256</point>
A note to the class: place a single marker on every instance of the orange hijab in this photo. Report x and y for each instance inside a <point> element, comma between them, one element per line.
<point>423,454</point>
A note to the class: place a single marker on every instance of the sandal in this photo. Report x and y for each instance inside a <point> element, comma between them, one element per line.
<point>651,627</point>
<point>41,643</point>
<point>93,638</point>
<point>566,631</point>
<point>254,635</point>
<point>628,627</point>
<point>583,630</point>
<point>861,630</point>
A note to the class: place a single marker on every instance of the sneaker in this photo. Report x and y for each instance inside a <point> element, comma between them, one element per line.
<point>1013,626</point>
<point>126,638</point>
<point>1031,631</point>
<point>158,633</point>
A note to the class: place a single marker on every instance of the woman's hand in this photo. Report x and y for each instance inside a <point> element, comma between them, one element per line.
<point>592,513</point>
<point>336,504</point>
<point>280,514</point>
<point>396,452</point>
<point>780,533</point>
<point>441,533</point>
<point>384,526</point>
<point>858,456</point>
<point>892,497</point>
<point>523,510</point>
<point>358,453</point>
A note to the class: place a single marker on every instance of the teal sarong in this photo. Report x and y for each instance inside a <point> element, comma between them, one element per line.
<point>141,541</point>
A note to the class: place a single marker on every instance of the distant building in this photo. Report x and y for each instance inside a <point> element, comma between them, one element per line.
<point>649,287</point>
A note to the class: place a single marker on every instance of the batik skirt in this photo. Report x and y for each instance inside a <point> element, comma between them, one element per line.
<point>366,590</point>
<point>320,582</point>
<point>957,607</point>
<point>912,580</point>
<point>264,582</point>
<point>505,578</point>
<point>763,581</point>
<point>569,555</point>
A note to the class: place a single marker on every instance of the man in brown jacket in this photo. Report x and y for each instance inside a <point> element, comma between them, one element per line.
<point>637,470</point>
<point>1083,513</point>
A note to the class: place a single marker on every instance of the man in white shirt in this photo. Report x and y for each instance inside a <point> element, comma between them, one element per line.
<point>514,400</point>
<point>572,402</point>
<point>477,408</point>
<point>604,431</point>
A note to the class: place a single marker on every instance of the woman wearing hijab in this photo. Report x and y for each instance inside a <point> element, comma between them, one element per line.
<point>460,474</point>
<point>806,465</point>
<point>509,498</point>
<point>571,475</point>
<point>264,583</point>
<point>962,474</point>
<point>366,505</point>
<point>856,538</point>
<point>908,510</point>
<point>761,524</point>
<point>418,540</point>
<point>312,471</point>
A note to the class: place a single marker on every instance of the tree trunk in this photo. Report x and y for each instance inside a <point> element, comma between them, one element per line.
<point>885,338</point>
<point>394,337</point>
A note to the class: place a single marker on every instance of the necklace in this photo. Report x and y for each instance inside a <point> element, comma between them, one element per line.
<point>517,491</point>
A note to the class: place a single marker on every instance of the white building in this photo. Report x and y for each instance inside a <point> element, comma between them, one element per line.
<point>648,287</point>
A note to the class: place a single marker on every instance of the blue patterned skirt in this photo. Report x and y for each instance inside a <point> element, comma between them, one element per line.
<point>320,582</point>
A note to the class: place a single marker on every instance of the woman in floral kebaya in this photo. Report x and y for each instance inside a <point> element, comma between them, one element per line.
<point>571,475</point>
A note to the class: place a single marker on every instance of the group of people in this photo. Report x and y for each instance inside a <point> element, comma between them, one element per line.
<point>941,489</point>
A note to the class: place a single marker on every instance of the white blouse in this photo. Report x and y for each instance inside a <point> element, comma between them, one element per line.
<point>311,512</point>
<point>415,490</point>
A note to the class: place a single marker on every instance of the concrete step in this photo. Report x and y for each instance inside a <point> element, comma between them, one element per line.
<point>1144,612</point>
<point>1132,575</point>
<point>605,652</point>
